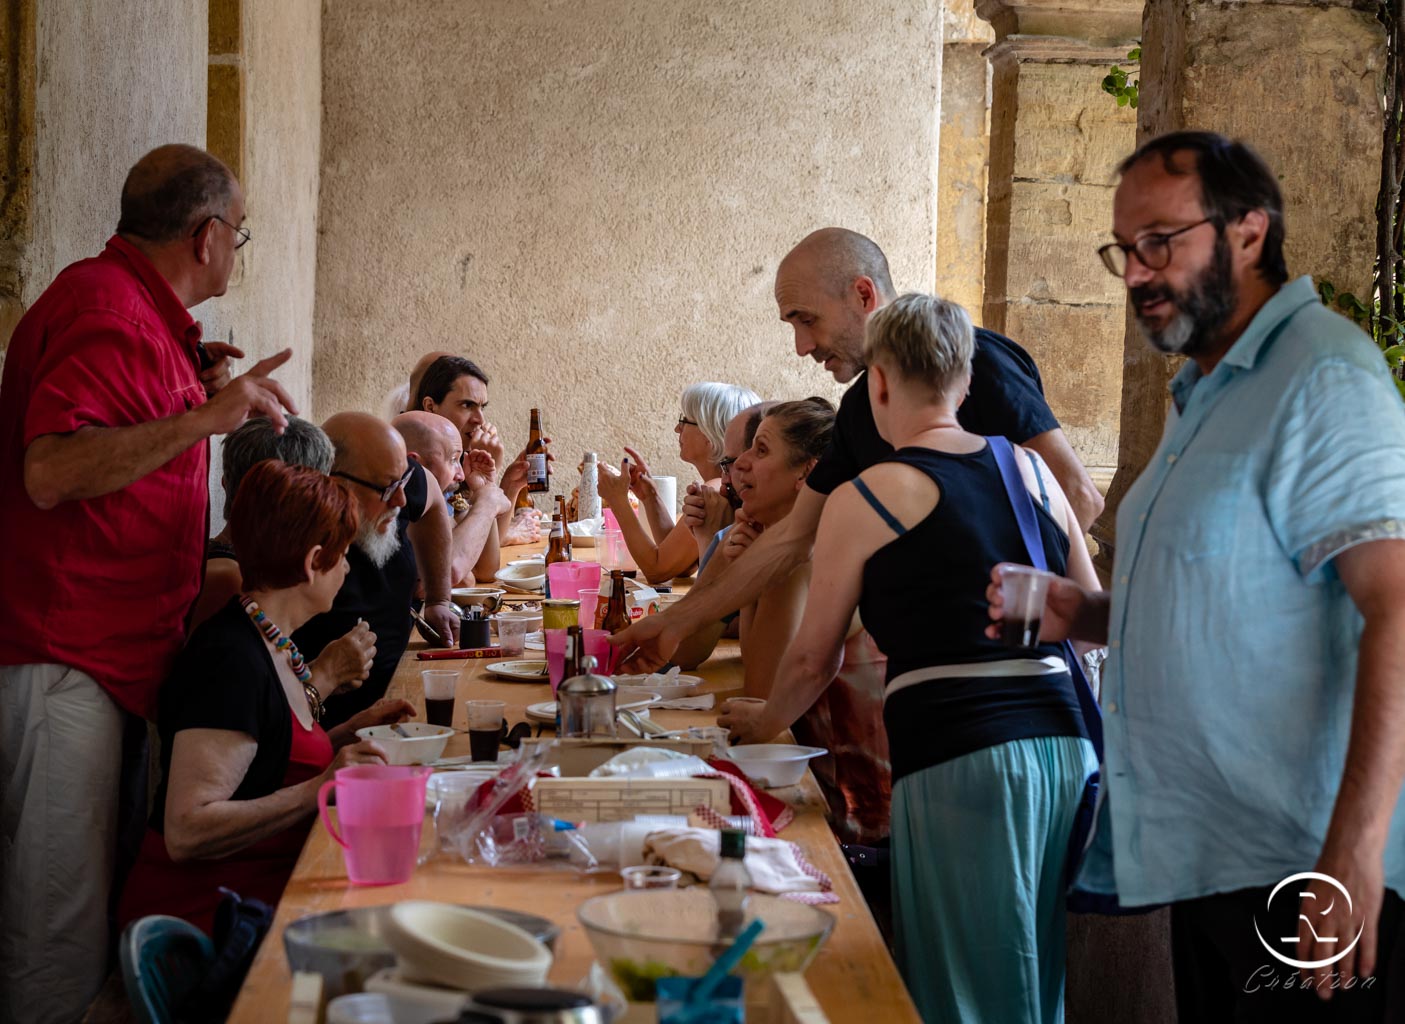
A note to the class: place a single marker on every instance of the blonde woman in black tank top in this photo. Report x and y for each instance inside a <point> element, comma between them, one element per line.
<point>987,743</point>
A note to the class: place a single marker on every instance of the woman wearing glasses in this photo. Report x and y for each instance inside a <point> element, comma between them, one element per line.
<point>707,408</point>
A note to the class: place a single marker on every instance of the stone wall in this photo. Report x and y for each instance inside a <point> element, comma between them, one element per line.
<point>592,200</point>
<point>270,304</point>
<point>89,87</point>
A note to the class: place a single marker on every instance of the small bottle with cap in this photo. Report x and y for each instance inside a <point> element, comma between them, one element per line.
<point>730,884</point>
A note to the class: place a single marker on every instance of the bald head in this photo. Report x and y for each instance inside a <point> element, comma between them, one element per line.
<point>417,374</point>
<point>436,443</point>
<point>171,190</point>
<point>834,257</point>
<point>365,445</point>
<point>825,288</point>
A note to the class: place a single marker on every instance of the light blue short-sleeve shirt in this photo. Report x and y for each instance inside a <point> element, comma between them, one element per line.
<point>1231,668</point>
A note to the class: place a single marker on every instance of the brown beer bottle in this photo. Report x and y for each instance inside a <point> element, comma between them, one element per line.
<point>558,549</point>
<point>538,471</point>
<point>575,644</point>
<point>565,524</point>
<point>617,611</point>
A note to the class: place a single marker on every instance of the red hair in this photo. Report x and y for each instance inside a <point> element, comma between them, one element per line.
<point>282,512</point>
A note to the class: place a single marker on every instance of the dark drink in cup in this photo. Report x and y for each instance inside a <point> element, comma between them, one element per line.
<point>483,743</point>
<point>439,712</point>
<point>1019,632</point>
<point>1023,590</point>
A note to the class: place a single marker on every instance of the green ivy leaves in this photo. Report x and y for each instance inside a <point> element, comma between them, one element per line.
<point>1119,84</point>
<point>1386,331</point>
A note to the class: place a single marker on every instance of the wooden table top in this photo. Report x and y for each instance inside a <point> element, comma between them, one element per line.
<point>853,977</point>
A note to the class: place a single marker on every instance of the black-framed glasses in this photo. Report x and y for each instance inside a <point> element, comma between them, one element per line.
<point>725,465</point>
<point>1153,251</point>
<point>241,233</point>
<point>683,421</point>
<point>386,491</point>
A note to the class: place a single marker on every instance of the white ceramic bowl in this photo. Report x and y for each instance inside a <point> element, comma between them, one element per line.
<point>773,764</point>
<point>424,744</point>
<point>463,949</point>
<point>683,686</point>
<point>530,578</point>
<point>465,597</point>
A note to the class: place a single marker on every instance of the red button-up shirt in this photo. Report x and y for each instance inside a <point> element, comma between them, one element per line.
<point>102,585</point>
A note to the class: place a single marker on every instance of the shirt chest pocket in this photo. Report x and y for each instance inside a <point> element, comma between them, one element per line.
<point>1202,505</point>
<point>183,399</point>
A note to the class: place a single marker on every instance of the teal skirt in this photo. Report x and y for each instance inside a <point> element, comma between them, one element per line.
<point>979,845</point>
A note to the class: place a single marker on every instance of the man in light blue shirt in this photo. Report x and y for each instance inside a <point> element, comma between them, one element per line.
<point>1254,692</point>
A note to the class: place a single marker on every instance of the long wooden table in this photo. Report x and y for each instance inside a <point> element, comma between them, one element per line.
<point>853,977</point>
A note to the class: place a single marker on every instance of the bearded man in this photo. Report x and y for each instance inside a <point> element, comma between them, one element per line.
<point>395,497</point>
<point>1254,692</point>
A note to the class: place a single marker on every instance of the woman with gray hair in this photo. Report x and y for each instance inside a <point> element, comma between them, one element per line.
<point>346,661</point>
<point>707,408</point>
<point>988,745</point>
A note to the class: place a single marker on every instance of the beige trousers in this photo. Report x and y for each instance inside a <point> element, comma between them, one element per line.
<point>60,768</point>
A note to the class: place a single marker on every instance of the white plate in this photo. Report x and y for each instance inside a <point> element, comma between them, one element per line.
<point>520,671</point>
<point>546,710</point>
<point>684,686</point>
<point>535,641</point>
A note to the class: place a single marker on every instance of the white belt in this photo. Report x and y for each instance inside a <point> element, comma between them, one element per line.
<point>1004,669</point>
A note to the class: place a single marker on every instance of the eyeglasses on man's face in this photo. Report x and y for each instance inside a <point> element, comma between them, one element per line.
<point>1153,251</point>
<point>242,234</point>
<point>725,465</point>
<point>385,491</point>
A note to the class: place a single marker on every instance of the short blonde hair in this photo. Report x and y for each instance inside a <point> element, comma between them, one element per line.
<point>927,339</point>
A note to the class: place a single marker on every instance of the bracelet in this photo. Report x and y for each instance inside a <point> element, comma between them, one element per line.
<point>314,701</point>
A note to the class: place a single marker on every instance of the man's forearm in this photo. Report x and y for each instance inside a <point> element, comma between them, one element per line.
<point>471,536</point>
<point>433,540</point>
<point>95,461</point>
<point>774,553</point>
<point>1375,758</point>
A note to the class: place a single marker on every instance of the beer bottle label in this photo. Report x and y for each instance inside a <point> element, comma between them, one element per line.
<point>536,468</point>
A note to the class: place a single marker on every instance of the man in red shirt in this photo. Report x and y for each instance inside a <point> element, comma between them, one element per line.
<point>107,404</point>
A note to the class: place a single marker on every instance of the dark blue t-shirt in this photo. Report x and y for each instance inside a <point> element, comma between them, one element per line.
<point>1006,400</point>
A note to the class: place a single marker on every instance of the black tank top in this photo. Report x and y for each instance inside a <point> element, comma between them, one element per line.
<point>924,603</point>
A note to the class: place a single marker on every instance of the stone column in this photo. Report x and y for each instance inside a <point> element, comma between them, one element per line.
<point>17,74</point>
<point>1302,84</point>
<point>963,162</point>
<point>1055,139</point>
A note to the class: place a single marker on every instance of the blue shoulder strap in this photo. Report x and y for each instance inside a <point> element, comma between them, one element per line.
<point>893,523</point>
<point>1023,506</point>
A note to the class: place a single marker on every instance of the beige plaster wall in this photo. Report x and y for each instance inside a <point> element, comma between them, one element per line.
<point>592,199</point>
<point>270,304</point>
<point>113,79</point>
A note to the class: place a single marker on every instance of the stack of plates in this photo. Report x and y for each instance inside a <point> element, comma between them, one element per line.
<point>443,944</point>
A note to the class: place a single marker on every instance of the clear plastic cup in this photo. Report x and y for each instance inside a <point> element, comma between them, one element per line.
<point>590,597</point>
<point>439,687</point>
<point>1023,590</point>
<point>648,876</point>
<point>512,636</point>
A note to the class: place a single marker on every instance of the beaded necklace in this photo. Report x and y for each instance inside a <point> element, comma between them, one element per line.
<point>285,644</point>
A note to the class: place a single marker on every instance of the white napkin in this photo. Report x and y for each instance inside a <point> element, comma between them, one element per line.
<point>701,702</point>
<point>775,865</point>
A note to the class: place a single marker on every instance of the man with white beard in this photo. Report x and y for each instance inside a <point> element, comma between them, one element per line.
<point>393,496</point>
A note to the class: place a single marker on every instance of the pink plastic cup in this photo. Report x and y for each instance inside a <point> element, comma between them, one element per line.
<point>568,579</point>
<point>555,640</point>
<point>595,646</point>
<point>380,809</point>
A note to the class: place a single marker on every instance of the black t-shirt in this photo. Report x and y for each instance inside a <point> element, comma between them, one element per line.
<point>1006,400</point>
<point>382,597</point>
<point>226,679</point>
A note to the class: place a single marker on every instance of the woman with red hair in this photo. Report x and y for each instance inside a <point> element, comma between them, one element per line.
<point>242,752</point>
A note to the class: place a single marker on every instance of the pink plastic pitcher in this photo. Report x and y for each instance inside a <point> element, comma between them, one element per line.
<point>568,579</point>
<point>380,809</point>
